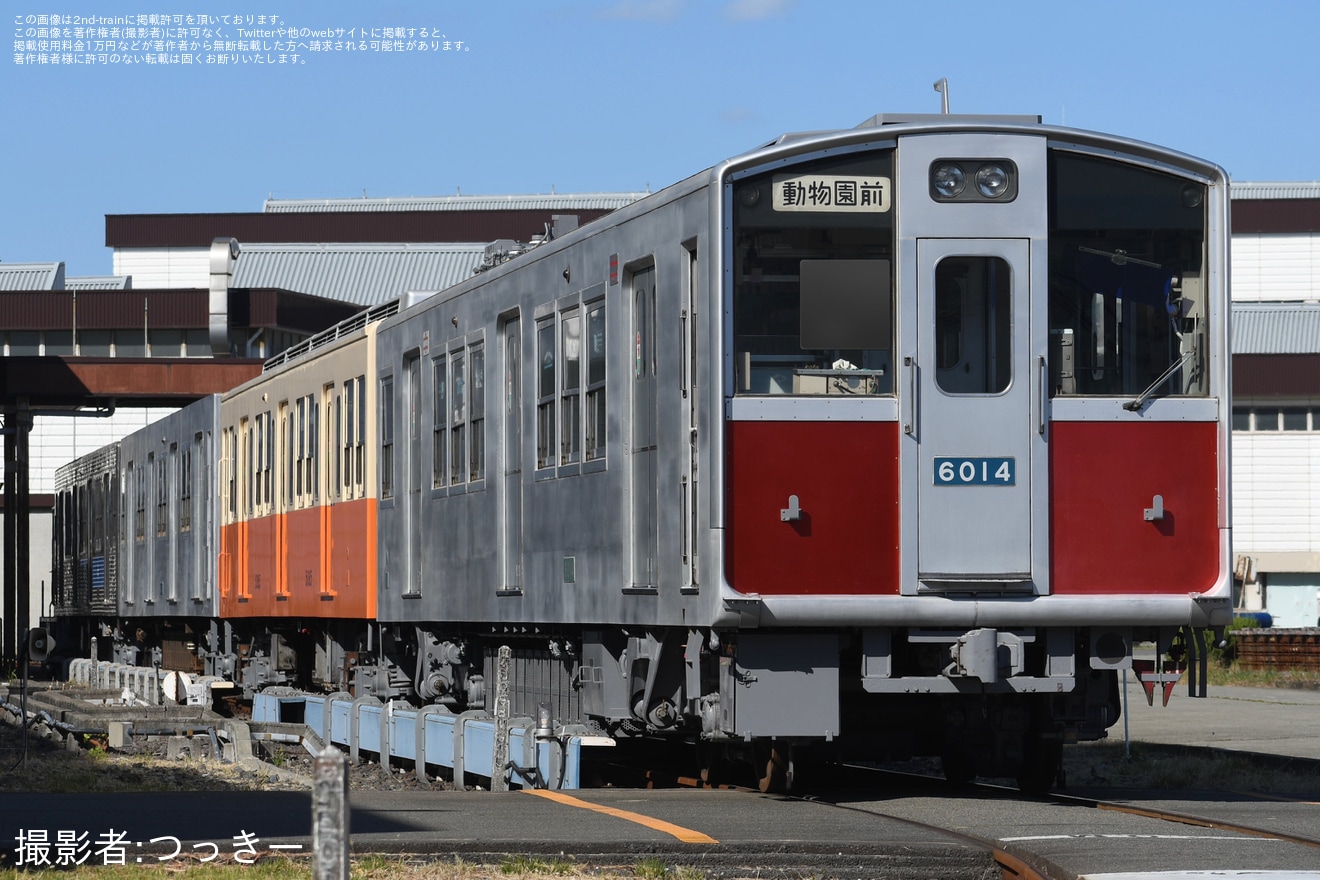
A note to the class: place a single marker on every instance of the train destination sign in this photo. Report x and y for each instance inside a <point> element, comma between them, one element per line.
<point>975,472</point>
<point>839,193</point>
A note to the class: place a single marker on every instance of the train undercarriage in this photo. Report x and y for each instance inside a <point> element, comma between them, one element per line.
<point>985,703</point>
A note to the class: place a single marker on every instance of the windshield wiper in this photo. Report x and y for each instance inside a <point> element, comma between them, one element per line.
<point>1140,400</point>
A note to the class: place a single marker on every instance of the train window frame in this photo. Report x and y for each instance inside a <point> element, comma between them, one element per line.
<point>545,385</point>
<point>439,423</point>
<point>386,429</point>
<point>458,413</point>
<point>569,370</point>
<point>185,488</point>
<point>595,412</point>
<point>477,412</point>
<point>773,307</point>
<point>1129,279</point>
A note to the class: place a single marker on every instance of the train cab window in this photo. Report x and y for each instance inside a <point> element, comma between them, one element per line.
<point>973,324</point>
<point>813,252</point>
<point>1127,279</point>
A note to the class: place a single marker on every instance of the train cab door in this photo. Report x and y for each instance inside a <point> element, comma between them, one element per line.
<point>972,446</point>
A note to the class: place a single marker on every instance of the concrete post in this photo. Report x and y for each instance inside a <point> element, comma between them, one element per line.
<point>330,834</point>
<point>498,780</point>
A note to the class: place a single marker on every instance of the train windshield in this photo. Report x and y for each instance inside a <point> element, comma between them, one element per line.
<point>1128,288</point>
<point>813,268</point>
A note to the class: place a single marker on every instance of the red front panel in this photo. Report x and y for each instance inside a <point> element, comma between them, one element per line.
<point>845,475</point>
<point>1103,476</point>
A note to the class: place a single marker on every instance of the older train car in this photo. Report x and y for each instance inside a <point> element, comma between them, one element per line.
<point>298,511</point>
<point>899,437</point>
<point>135,542</point>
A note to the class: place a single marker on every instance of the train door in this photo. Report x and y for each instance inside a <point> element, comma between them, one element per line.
<point>969,410</point>
<point>513,455</point>
<point>645,418</point>
<point>412,487</point>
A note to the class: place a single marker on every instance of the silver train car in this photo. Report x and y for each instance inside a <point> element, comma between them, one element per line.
<point>847,440</point>
<point>901,439</point>
<point>136,534</point>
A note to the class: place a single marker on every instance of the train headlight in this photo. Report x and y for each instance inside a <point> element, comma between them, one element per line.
<point>966,180</point>
<point>947,180</point>
<point>992,180</point>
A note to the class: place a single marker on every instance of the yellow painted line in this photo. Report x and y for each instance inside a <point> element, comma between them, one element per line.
<point>687,835</point>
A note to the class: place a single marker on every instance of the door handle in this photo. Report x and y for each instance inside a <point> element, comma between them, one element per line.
<point>910,398</point>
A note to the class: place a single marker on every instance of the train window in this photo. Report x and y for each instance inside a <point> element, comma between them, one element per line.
<point>973,324</point>
<point>328,452</point>
<point>595,381</point>
<point>813,254</point>
<point>99,498</point>
<point>477,409</point>
<point>268,460</point>
<point>300,444</point>
<point>545,393</point>
<point>570,377</point>
<point>162,498</point>
<point>360,441</point>
<point>439,426</point>
<point>140,506</point>
<point>387,437</point>
<point>337,442</point>
<point>312,440</point>
<point>458,417</point>
<point>349,421</point>
<point>185,490</point>
<point>1127,278</point>
<point>286,456</point>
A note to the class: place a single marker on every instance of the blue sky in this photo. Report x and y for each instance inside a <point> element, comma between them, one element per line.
<point>612,95</point>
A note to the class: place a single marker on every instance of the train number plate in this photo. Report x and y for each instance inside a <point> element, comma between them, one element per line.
<point>975,472</point>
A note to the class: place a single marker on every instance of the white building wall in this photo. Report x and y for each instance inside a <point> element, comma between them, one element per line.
<point>40,534</point>
<point>57,440</point>
<point>1274,266</point>
<point>165,267</point>
<point>1276,492</point>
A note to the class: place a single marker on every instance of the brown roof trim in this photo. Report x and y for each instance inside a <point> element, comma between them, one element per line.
<point>36,501</point>
<point>1276,215</point>
<point>85,381</point>
<point>199,230</point>
<point>102,309</point>
<point>1276,375</point>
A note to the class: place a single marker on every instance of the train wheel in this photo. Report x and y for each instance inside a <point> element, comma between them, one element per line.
<point>1042,760</point>
<point>958,766</point>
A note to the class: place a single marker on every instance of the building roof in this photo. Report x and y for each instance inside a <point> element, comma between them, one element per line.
<point>552,202</point>
<point>362,274</point>
<point>1247,190</point>
<point>99,282</point>
<point>383,227</point>
<point>1276,328</point>
<point>31,276</point>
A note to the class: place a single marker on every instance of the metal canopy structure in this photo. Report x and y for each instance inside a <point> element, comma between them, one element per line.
<point>71,386</point>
